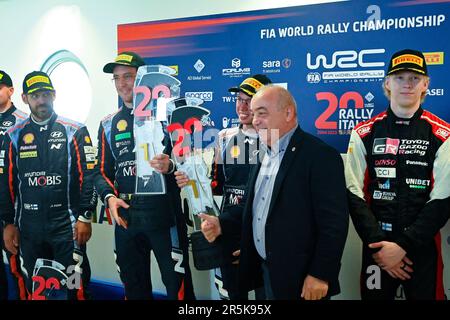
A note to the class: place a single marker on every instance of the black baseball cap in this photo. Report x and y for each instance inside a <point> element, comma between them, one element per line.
<point>5,79</point>
<point>126,58</point>
<point>37,81</point>
<point>409,60</point>
<point>252,84</point>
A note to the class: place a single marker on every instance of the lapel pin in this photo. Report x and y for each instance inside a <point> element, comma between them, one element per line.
<point>293,148</point>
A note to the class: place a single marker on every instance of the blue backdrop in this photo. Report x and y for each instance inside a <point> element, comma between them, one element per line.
<point>332,57</point>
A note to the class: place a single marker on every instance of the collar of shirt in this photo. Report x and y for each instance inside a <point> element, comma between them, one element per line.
<point>280,146</point>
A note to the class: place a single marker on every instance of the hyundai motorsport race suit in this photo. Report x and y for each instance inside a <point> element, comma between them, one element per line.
<point>237,152</point>
<point>48,176</point>
<point>155,222</point>
<point>7,120</point>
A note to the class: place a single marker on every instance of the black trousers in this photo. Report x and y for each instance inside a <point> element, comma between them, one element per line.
<point>426,281</point>
<point>63,250</point>
<point>227,277</point>
<point>133,248</point>
<point>18,281</point>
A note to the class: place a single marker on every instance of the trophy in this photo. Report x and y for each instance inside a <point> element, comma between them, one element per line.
<point>187,121</point>
<point>154,87</point>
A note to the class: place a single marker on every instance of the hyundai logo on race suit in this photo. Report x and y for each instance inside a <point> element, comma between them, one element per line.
<point>56,134</point>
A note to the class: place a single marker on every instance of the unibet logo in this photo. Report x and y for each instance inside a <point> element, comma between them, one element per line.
<point>43,181</point>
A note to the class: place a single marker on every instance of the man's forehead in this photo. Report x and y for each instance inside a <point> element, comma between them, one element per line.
<point>258,106</point>
<point>124,69</point>
<point>407,73</point>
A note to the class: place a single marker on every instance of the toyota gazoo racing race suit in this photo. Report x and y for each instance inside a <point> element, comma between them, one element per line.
<point>398,180</point>
<point>236,152</point>
<point>155,221</point>
<point>46,186</point>
<point>8,119</point>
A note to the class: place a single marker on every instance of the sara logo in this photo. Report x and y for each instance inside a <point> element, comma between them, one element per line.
<point>122,125</point>
<point>286,63</point>
<point>385,146</point>
<point>28,138</point>
<point>56,134</point>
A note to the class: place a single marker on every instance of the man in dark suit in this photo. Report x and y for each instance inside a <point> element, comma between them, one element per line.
<point>296,218</point>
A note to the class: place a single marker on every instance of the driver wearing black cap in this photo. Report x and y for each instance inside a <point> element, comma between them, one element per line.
<point>397,173</point>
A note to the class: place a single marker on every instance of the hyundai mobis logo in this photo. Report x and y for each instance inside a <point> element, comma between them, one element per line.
<point>385,146</point>
<point>42,179</point>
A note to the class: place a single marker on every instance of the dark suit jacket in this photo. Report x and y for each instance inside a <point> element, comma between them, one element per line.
<point>307,223</point>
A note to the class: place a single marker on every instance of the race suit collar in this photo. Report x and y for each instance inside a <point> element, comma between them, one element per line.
<point>403,121</point>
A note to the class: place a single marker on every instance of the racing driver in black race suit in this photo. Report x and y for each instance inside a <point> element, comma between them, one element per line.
<point>46,189</point>
<point>9,116</point>
<point>143,223</point>
<point>398,180</point>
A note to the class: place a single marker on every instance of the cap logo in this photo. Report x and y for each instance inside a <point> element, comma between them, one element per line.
<point>1,76</point>
<point>408,58</point>
<point>124,57</point>
<point>37,79</point>
<point>252,82</point>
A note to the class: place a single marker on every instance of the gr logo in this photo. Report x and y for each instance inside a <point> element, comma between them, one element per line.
<point>385,146</point>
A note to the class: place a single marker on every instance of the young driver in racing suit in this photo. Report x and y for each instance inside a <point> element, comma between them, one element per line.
<point>397,173</point>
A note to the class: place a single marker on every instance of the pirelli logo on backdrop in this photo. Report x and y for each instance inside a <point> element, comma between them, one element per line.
<point>434,58</point>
